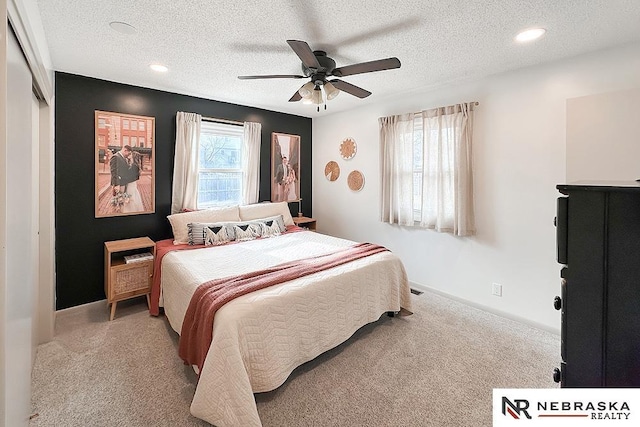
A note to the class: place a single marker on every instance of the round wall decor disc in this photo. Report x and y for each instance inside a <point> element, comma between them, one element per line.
<point>355,180</point>
<point>348,148</point>
<point>332,171</point>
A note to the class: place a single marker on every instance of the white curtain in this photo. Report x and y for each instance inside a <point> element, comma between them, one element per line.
<point>447,179</point>
<point>396,145</point>
<point>251,162</point>
<point>185,163</point>
<point>436,190</point>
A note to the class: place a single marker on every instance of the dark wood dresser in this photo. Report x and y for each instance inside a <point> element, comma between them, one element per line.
<point>598,241</point>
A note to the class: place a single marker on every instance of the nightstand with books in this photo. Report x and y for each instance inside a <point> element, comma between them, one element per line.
<point>128,270</point>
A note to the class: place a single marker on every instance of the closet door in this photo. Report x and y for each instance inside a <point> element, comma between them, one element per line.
<point>21,265</point>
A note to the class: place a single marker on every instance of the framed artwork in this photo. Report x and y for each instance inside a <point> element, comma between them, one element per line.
<point>285,167</point>
<point>124,164</point>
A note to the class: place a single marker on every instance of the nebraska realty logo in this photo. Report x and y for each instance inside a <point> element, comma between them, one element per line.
<point>566,407</point>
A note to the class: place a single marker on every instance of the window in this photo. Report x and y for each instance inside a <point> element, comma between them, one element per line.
<point>125,140</point>
<point>219,165</point>
<point>418,173</point>
<point>134,141</point>
<point>134,125</point>
<point>125,124</point>
<point>141,141</point>
<point>427,171</point>
<point>435,170</point>
<point>141,126</point>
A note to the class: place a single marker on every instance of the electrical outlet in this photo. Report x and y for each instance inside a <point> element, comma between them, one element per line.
<point>496,289</point>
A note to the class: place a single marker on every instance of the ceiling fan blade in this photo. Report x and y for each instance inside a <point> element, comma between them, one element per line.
<point>272,76</point>
<point>367,67</point>
<point>296,97</point>
<point>305,53</point>
<point>349,88</point>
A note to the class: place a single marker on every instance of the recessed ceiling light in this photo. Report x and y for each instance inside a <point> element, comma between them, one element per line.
<point>123,27</point>
<point>529,35</point>
<point>159,68</point>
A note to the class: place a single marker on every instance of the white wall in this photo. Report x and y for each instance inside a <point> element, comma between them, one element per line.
<point>603,136</point>
<point>519,158</point>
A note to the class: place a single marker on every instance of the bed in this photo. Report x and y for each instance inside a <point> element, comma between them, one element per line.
<point>259,338</point>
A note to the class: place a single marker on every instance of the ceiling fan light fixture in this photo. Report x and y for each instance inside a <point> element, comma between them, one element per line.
<point>317,97</point>
<point>306,91</point>
<point>317,66</point>
<point>331,91</point>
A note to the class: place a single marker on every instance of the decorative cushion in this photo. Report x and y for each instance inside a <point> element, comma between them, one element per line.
<point>246,230</point>
<point>266,210</point>
<point>179,222</point>
<point>273,221</point>
<point>198,231</point>
<point>217,235</point>
<point>270,228</point>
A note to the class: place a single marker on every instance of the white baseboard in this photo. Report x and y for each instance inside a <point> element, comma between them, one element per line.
<point>491,310</point>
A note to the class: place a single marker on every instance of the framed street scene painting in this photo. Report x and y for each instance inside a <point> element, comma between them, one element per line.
<point>285,167</point>
<point>124,164</point>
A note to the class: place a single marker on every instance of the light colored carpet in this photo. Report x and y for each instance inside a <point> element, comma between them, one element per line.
<point>435,368</point>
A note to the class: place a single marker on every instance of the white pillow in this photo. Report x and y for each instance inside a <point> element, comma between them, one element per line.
<point>179,222</point>
<point>265,210</point>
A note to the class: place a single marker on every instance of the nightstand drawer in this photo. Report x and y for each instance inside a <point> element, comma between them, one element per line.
<point>129,279</point>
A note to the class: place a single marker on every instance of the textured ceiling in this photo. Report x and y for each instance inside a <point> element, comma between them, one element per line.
<point>207,43</point>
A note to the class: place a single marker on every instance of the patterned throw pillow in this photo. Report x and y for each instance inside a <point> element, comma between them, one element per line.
<point>217,235</point>
<point>198,231</point>
<point>274,221</point>
<point>246,231</point>
<point>265,227</point>
<point>270,228</point>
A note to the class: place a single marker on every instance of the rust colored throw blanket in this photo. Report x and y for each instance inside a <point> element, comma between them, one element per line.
<point>163,247</point>
<point>197,327</point>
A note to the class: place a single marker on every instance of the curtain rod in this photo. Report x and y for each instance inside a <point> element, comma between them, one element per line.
<point>229,122</point>
<point>473,103</point>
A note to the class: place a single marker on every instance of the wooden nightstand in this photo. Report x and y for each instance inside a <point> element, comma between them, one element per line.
<point>304,222</point>
<point>124,280</point>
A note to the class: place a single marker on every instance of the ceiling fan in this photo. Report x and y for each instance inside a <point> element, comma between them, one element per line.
<point>317,66</point>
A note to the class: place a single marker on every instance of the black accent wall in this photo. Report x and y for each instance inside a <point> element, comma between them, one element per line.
<point>80,236</point>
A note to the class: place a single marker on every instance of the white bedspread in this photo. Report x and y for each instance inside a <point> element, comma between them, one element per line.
<point>260,338</point>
